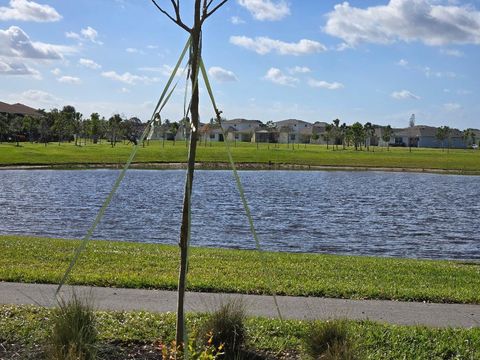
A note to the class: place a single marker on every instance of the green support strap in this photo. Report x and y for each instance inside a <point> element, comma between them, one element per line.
<point>237,179</point>
<point>165,96</point>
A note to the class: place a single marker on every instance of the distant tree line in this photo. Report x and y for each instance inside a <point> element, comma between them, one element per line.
<point>68,125</point>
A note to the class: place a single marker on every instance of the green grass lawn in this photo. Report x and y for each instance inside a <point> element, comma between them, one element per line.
<point>133,265</point>
<point>313,155</point>
<point>29,326</point>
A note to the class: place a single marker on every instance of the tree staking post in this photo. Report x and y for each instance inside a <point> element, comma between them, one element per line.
<point>202,10</point>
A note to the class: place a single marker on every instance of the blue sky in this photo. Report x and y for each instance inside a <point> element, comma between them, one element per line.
<point>315,60</point>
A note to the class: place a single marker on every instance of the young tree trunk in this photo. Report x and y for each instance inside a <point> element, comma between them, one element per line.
<point>195,55</point>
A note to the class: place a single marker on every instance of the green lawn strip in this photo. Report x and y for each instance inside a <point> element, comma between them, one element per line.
<point>30,325</point>
<point>135,265</point>
<point>313,155</point>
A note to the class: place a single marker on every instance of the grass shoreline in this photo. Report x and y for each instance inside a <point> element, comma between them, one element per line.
<point>246,156</point>
<point>135,265</point>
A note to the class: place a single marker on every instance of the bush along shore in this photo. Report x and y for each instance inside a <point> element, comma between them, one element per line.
<point>249,156</point>
<point>134,265</point>
<point>30,333</point>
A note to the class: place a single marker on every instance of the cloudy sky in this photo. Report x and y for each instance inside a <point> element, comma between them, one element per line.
<point>316,60</point>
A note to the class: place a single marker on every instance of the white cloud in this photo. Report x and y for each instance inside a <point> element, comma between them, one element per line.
<point>452,52</point>
<point>124,90</point>
<point>276,76</point>
<point>221,75</point>
<point>24,10</point>
<point>88,33</point>
<point>325,85</point>
<point>402,62</point>
<point>264,45</point>
<point>56,71</point>
<point>39,97</point>
<point>128,78</point>
<point>235,20</point>
<point>14,42</point>
<point>17,68</point>
<point>152,47</point>
<point>405,20</point>
<point>266,9</point>
<point>131,50</point>
<point>404,95</point>
<point>438,74</point>
<point>299,70</point>
<point>69,80</point>
<point>89,63</point>
<point>452,106</point>
<point>73,35</point>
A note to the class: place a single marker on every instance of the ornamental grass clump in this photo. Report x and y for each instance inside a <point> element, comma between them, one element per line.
<point>73,335</point>
<point>225,328</point>
<point>329,341</point>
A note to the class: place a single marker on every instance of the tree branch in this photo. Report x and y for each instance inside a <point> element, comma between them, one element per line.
<point>208,14</point>
<point>178,20</point>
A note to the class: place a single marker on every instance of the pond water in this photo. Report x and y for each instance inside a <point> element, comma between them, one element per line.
<point>338,212</point>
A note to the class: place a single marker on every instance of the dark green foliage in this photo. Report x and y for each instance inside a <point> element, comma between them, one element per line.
<point>226,327</point>
<point>74,335</point>
<point>329,341</point>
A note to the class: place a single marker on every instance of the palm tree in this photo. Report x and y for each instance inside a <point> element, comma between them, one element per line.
<point>358,135</point>
<point>368,127</point>
<point>343,134</point>
<point>387,135</point>
<point>336,132</point>
<point>443,133</point>
<point>327,135</point>
<point>114,127</point>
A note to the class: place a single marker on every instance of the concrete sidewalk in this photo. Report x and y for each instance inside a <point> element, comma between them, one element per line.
<point>301,308</point>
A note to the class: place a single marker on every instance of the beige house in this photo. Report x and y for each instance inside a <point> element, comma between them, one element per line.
<point>294,131</point>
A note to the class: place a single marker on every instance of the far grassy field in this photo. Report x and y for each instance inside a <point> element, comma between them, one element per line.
<point>133,265</point>
<point>309,155</point>
<point>28,327</point>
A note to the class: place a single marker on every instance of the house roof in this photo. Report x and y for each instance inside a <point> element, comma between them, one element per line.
<point>424,131</point>
<point>293,122</point>
<point>18,108</point>
<point>241,121</point>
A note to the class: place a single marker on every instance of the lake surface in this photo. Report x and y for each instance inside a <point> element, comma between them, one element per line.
<point>362,213</point>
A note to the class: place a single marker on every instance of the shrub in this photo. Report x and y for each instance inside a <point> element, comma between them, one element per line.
<point>226,328</point>
<point>73,335</point>
<point>329,341</point>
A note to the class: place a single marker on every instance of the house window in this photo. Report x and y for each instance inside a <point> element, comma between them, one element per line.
<point>212,136</point>
<point>292,137</point>
<point>237,136</point>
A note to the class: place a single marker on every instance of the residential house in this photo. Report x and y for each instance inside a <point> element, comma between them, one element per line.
<point>241,129</point>
<point>294,131</point>
<point>213,132</point>
<point>18,110</point>
<point>265,135</point>
<point>318,131</point>
<point>426,136</point>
